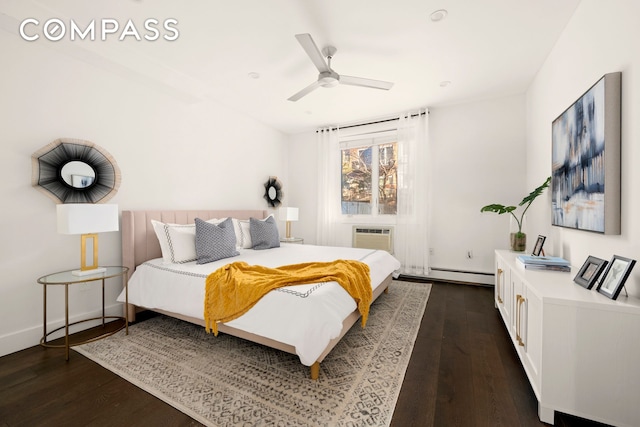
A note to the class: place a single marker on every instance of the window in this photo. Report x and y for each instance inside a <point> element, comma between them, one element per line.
<point>369,177</point>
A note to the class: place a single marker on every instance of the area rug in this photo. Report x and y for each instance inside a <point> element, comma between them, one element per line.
<point>227,381</point>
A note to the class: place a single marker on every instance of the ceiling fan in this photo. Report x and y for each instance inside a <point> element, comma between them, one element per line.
<point>328,77</point>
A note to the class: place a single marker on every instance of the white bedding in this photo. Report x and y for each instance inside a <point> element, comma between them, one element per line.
<point>306,317</point>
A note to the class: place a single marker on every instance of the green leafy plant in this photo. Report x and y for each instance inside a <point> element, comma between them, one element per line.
<point>526,202</point>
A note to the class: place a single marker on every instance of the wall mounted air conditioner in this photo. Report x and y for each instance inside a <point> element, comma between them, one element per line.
<point>373,237</point>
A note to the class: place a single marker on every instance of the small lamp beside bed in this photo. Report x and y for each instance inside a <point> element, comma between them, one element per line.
<point>288,215</point>
<point>87,219</point>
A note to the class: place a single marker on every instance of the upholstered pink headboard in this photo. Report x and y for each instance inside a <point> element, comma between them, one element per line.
<point>139,241</point>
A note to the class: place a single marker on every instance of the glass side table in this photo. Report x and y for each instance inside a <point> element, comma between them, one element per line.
<point>66,278</point>
<point>298,240</point>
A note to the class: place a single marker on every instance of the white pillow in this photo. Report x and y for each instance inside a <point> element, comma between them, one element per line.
<point>178,241</point>
<point>245,240</point>
<point>237,228</point>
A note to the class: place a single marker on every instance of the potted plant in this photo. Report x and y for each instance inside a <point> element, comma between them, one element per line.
<point>518,238</point>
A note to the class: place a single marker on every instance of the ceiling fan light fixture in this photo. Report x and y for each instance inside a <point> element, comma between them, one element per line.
<point>331,83</point>
<point>328,79</point>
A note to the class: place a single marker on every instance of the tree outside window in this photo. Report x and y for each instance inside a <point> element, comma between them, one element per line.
<point>365,169</point>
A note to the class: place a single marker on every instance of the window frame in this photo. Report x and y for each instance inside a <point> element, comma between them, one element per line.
<point>373,140</point>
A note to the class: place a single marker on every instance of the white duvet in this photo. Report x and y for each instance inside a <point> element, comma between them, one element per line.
<point>306,317</point>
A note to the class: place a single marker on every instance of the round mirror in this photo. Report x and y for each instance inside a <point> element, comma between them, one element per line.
<point>75,171</point>
<point>78,174</point>
<point>273,191</point>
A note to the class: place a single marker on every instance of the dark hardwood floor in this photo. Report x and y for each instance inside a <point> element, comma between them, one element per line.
<point>463,372</point>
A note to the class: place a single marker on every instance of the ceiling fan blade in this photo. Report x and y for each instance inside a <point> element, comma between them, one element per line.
<point>312,50</point>
<point>359,81</point>
<point>305,91</point>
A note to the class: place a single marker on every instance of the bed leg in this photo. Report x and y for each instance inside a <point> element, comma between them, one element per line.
<point>386,290</point>
<point>315,371</point>
<point>131,312</point>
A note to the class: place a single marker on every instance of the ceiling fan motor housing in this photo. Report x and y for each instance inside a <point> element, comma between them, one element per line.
<point>328,78</point>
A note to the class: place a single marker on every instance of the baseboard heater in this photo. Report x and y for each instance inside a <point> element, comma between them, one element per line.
<point>462,276</point>
<point>373,237</point>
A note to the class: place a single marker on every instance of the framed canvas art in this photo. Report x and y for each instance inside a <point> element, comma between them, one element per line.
<point>585,186</point>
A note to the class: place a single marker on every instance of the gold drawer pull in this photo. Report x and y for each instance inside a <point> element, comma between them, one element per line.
<point>500,271</point>
<point>519,301</point>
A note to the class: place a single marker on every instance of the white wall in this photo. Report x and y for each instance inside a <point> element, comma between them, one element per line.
<point>599,39</point>
<point>303,191</point>
<point>172,154</point>
<point>478,155</point>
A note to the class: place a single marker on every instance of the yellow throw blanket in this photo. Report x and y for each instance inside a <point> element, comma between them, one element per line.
<point>233,289</point>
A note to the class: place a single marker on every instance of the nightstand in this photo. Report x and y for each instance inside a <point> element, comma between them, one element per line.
<point>66,278</point>
<point>298,240</point>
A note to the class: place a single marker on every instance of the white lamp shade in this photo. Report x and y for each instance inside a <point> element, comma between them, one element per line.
<point>85,218</point>
<point>288,214</point>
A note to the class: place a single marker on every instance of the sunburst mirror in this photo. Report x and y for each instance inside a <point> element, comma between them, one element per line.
<point>273,192</point>
<point>75,171</point>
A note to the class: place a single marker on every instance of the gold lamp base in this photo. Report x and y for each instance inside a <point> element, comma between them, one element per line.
<point>85,269</point>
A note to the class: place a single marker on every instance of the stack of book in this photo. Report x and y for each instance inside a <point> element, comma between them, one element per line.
<point>544,263</point>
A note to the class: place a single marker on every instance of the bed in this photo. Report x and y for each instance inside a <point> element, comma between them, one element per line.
<point>322,312</point>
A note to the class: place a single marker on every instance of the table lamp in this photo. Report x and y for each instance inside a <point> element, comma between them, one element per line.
<point>288,215</point>
<point>88,220</point>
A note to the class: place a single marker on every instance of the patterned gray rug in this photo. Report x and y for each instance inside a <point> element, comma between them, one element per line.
<point>226,381</point>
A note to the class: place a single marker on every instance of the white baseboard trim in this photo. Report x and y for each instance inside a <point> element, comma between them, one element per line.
<point>19,340</point>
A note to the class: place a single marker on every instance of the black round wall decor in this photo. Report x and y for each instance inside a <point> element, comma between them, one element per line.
<point>273,192</point>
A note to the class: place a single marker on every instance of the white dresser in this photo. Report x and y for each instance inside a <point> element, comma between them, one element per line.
<point>580,349</point>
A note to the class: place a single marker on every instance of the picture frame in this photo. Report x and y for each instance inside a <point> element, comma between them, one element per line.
<point>615,275</point>
<point>590,272</point>
<point>585,160</point>
<point>537,249</point>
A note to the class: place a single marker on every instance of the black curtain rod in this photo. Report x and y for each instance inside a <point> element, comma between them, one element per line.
<point>373,123</point>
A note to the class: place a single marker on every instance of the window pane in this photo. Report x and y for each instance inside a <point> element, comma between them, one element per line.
<point>387,179</point>
<point>356,181</point>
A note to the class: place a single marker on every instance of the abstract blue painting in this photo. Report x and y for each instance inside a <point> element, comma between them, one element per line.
<point>585,187</point>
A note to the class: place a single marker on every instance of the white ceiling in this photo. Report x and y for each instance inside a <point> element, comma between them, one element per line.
<point>486,49</point>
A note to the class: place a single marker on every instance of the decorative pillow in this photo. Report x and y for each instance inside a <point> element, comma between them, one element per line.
<point>243,232</point>
<point>177,241</point>
<point>214,242</point>
<point>238,225</point>
<point>245,235</point>
<point>264,233</point>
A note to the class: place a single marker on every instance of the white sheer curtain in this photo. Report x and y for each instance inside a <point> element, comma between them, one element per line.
<point>411,244</point>
<point>329,184</point>
<point>412,219</point>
